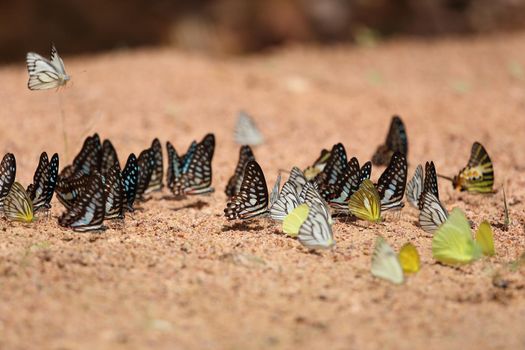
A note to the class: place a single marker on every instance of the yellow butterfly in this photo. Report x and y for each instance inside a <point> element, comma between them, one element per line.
<point>452,243</point>
<point>293,221</point>
<point>17,205</point>
<point>485,239</point>
<point>478,175</point>
<point>409,258</point>
<point>365,203</point>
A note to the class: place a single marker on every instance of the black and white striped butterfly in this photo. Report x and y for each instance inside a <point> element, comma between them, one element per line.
<point>146,163</point>
<point>286,202</point>
<point>88,159</point>
<point>336,165</point>
<point>7,176</point>
<point>44,182</point>
<point>198,177</point>
<point>155,183</point>
<point>252,199</point>
<point>87,214</point>
<point>46,74</point>
<point>234,183</point>
<point>298,179</point>
<point>69,189</point>
<point>431,182</point>
<point>396,141</point>
<point>246,131</point>
<point>391,184</point>
<point>316,231</point>
<point>129,177</point>
<point>108,158</point>
<point>311,196</point>
<point>177,165</point>
<point>114,194</point>
<point>416,186</point>
<point>347,184</point>
<point>432,213</point>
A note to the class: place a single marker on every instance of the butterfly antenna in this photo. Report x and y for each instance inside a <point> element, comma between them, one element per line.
<point>445,177</point>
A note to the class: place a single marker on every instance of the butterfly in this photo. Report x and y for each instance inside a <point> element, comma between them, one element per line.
<point>46,74</point>
<point>87,214</point>
<point>198,177</point>
<point>485,238</point>
<point>311,172</point>
<point>335,166</point>
<point>294,219</point>
<point>69,189</point>
<point>311,196</point>
<point>234,183</point>
<point>17,205</point>
<point>452,243</point>
<point>416,186</point>
<point>478,175</point>
<point>129,178</point>
<point>365,203</point>
<point>114,194</point>
<point>287,201</point>
<point>155,183</point>
<point>385,263</point>
<point>409,258</point>
<point>391,184</point>
<point>177,166</point>
<point>347,184</point>
<point>88,159</point>
<point>44,182</point>
<point>246,132</point>
<point>297,179</point>
<point>108,157</point>
<point>7,176</point>
<point>252,199</point>
<point>146,163</point>
<point>396,141</point>
<point>432,213</point>
<point>316,231</point>
<point>274,195</point>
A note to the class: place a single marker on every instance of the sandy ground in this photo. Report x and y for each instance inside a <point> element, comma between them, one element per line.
<point>177,275</point>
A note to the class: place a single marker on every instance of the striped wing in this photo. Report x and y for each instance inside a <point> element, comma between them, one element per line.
<point>391,185</point>
<point>155,183</point>
<point>288,200</point>
<point>246,131</point>
<point>108,157</point>
<point>198,177</point>
<point>298,179</point>
<point>17,205</point>
<point>7,176</point>
<point>44,182</point>
<point>130,177</point>
<point>68,190</point>
<point>432,213</point>
<point>146,162</point>
<point>44,74</point>
<point>336,165</point>
<point>87,213</point>
<point>274,195</point>
<point>478,175</point>
<point>88,159</point>
<point>316,231</point>
<point>347,184</point>
<point>415,187</point>
<point>252,199</point>
<point>431,182</point>
<point>396,141</point>
<point>365,203</point>
<point>234,183</point>
<point>114,194</point>
<point>312,197</point>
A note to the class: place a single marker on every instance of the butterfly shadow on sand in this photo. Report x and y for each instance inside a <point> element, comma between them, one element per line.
<point>195,205</point>
<point>243,226</point>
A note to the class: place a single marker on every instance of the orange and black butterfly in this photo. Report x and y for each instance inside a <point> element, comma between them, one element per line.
<point>396,141</point>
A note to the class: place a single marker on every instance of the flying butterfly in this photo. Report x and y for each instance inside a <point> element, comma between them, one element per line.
<point>246,131</point>
<point>234,183</point>
<point>46,74</point>
<point>391,184</point>
<point>129,177</point>
<point>452,243</point>
<point>17,205</point>
<point>432,213</point>
<point>252,199</point>
<point>44,182</point>
<point>88,212</point>
<point>385,263</point>
<point>114,195</point>
<point>365,203</point>
<point>155,183</point>
<point>396,141</point>
<point>478,175</point>
<point>108,157</point>
<point>311,172</point>
<point>7,176</point>
<point>316,231</point>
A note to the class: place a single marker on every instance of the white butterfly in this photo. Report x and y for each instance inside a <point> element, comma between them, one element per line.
<point>316,231</point>
<point>45,74</point>
<point>246,132</point>
<point>415,187</point>
<point>385,263</point>
<point>432,213</point>
<point>311,196</point>
<point>298,179</point>
<point>287,201</point>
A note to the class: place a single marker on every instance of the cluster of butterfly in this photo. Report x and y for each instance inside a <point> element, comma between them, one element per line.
<point>94,188</point>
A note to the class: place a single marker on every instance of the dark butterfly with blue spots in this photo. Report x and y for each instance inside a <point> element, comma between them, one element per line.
<point>44,182</point>
<point>391,184</point>
<point>234,183</point>
<point>129,177</point>
<point>396,141</point>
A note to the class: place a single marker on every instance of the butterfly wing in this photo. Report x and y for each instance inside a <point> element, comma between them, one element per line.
<point>274,195</point>
<point>311,172</point>
<point>17,205</point>
<point>44,74</point>
<point>288,200</point>
<point>88,159</point>
<point>197,178</point>
<point>7,176</point>
<point>366,170</point>
<point>57,62</point>
<point>252,199</point>
<point>155,183</point>
<point>246,131</point>
<point>87,213</point>
<point>385,263</point>
<point>293,221</point>
<point>485,238</point>
<point>108,157</point>
<point>346,185</point>
<point>478,175</point>
<point>431,183</point>
<point>297,179</point>
<point>415,187</point>
<point>432,213</point>
<point>336,165</point>
<point>69,189</point>
<point>235,182</point>
<point>130,177</point>
<point>316,231</point>
<point>391,184</point>
<point>44,182</point>
<point>396,141</point>
<point>114,194</point>
<point>365,203</point>
<point>146,162</point>
<point>409,258</point>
